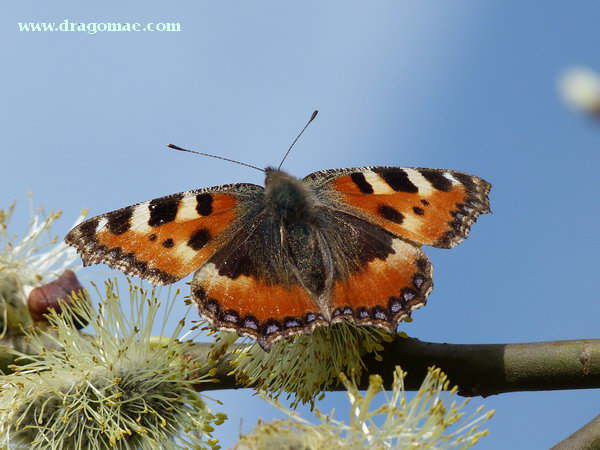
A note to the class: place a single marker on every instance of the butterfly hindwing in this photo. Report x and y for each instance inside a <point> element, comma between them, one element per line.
<point>378,279</point>
<point>164,239</point>
<point>385,290</point>
<point>427,206</point>
<point>252,285</point>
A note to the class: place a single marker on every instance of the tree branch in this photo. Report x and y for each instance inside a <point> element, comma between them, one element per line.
<point>586,438</point>
<point>478,369</point>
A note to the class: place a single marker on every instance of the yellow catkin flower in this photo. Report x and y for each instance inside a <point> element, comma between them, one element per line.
<point>430,420</point>
<point>117,387</point>
<point>305,365</point>
<point>28,259</point>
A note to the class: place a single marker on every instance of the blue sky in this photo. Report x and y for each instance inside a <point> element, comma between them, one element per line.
<point>463,85</point>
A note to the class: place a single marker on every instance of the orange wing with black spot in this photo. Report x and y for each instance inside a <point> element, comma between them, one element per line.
<point>426,206</point>
<point>385,290</point>
<point>164,239</point>
<point>378,279</point>
<point>252,285</point>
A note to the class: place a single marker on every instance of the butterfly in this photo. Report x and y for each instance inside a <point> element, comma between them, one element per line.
<point>273,261</point>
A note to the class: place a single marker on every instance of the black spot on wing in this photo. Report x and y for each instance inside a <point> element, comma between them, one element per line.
<point>168,243</point>
<point>418,211</point>
<point>204,204</point>
<point>391,214</point>
<point>397,179</point>
<point>362,313</point>
<point>229,316</point>
<point>212,305</point>
<point>437,179</point>
<point>250,322</point>
<point>199,293</point>
<point>408,294</point>
<point>233,268</point>
<point>423,264</point>
<point>199,239</point>
<point>119,221</point>
<point>379,313</point>
<point>292,322</point>
<point>163,210</point>
<point>396,305</point>
<point>418,280</point>
<point>271,326</point>
<point>87,229</point>
<point>310,317</point>
<point>466,180</point>
<point>362,183</point>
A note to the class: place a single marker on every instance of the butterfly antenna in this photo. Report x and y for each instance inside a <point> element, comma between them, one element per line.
<point>175,147</point>
<point>312,117</point>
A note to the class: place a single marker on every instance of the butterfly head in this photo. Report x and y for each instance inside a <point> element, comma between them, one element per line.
<point>287,196</point>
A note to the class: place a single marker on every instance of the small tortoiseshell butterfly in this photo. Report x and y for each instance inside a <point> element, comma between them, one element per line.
<point>341,244</point>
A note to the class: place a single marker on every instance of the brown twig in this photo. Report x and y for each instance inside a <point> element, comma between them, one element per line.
<point>586,438</point>
<point>478,369</point>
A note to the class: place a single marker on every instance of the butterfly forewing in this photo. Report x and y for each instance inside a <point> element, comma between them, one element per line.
<point>164,239</point>
<point>427,206</point>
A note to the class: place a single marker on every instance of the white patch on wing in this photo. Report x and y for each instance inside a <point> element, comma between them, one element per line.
<point>377,183</point>
<point>101,224</point>
<point>209,271</point>
<point>404,250</point>
<point>140,217</point>
<point>449,176</point>
<point>208,277</point>
<point>185,252</point>
<point>412,223</point>
<point>187,209</point>
<point>424,186</point>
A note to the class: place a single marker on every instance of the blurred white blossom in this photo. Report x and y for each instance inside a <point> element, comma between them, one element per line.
<point>580,87</point>
<point>35,255</point>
